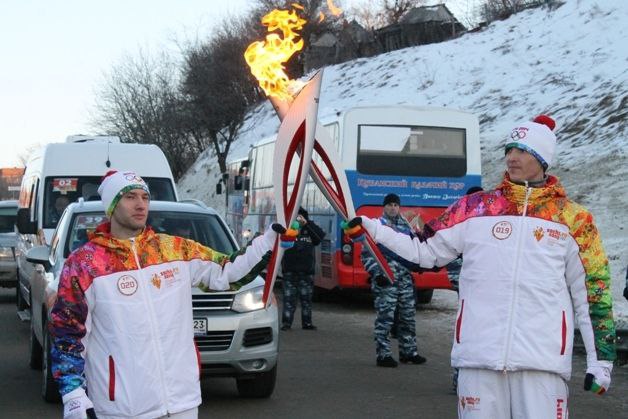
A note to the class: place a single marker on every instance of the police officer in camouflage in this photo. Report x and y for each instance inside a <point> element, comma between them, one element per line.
<point>389,297</point>
<point>298,272</point>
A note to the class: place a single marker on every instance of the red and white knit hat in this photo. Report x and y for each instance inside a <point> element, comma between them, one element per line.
<point>115,184</point>
<point>535,137</point>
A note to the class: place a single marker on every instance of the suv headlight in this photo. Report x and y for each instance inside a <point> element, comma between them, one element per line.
<point>6,254</point>
<point>249,300</point>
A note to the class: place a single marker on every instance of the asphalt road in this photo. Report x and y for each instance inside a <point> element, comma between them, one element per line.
<point>328,373</point>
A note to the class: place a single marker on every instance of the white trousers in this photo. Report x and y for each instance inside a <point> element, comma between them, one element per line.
<point>489,394</point>
<point>186,414</point>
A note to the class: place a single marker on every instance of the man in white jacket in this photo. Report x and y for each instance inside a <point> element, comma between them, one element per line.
<point>123,342</point>
<point>533,266</point>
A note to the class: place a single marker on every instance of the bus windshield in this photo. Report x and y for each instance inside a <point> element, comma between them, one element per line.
<point>411,150</point>
<point>59,191</point>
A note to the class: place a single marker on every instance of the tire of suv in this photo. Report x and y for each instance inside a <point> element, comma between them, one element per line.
<point>49,388</point>
<point>260,386</point>
<point>35,351</point>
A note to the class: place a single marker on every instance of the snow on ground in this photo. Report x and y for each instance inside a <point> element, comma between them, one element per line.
<point>569,62</point>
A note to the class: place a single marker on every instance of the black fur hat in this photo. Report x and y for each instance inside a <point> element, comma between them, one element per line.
<point>302,212</point>
<point>392,198</point>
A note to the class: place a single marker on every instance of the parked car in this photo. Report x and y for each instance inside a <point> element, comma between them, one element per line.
<point>236,336</point>
<point>8,242</point>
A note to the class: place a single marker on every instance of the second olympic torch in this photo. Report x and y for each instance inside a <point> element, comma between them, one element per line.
<point>300,134</point>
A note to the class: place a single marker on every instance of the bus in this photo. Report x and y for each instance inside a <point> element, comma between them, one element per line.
<point>428,156</point>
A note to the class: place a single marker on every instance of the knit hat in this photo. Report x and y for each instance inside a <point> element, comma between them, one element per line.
<point>303,213</point>
<point>392,198</point>
<point>115,184</point>
<point>536,138</point>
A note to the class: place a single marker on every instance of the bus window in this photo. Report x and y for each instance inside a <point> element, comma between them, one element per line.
<point>411,151</point>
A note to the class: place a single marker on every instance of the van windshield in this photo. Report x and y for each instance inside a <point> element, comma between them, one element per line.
<point>60,191</point>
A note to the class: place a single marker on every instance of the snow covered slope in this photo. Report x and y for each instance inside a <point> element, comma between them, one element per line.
<point>571,62</point>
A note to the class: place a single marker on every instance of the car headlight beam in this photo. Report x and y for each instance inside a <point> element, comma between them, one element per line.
<point>249,300</point>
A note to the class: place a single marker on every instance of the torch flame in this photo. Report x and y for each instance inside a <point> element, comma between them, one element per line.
<point>333,9</point>
<point>266,58</point>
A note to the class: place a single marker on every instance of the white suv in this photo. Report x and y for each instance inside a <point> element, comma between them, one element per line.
<point>235,335</point>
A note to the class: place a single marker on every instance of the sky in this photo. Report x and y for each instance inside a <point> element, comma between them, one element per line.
<point>55,55</point>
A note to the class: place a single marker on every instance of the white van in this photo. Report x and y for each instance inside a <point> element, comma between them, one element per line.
<point>60,173</point>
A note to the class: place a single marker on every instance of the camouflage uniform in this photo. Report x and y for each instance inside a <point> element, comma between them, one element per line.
<point>399,294</point>
<point>301,285</point>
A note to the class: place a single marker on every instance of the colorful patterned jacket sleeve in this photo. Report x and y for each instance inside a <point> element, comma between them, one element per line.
<point>68,328</point>
<point>590,266</point>
<point>224,270</point>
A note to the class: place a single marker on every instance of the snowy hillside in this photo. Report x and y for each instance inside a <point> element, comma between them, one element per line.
<point>571,63</point>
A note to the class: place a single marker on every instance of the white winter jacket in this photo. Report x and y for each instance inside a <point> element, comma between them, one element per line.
<point>531,260</point>
<point>122,322</point>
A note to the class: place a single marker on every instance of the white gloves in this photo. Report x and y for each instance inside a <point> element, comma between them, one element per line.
<point>75,405</point>
<point>598,377</point>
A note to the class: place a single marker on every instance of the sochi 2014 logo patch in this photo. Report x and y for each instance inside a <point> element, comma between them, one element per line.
<point>502,230</point>
<point>127,285</point>
<point>538,233</point>
<point>469,403</point>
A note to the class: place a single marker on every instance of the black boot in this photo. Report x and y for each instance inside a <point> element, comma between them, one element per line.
<point>387,362</point>
<point>308,327</point>
<point>414,359</point>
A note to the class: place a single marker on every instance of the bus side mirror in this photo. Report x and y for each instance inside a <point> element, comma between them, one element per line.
<point>24,223</point>
<point>218,188</point>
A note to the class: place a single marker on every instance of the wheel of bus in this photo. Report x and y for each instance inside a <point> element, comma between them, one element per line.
<point>49,389</point>
<point>424,296</point>
<point>35,348</point>
<point>260,386</point>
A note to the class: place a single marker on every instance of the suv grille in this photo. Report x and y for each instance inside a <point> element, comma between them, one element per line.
<point>212,301</point>
<point>259,336</point>
<point>214,340</point>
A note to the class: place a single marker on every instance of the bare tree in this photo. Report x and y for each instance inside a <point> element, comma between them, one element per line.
<point>368,14</point>
<point>140,102</point>
<point>218,87</point>
<point>26,153</point>
<point>491,10</point>
<point>393,10</point>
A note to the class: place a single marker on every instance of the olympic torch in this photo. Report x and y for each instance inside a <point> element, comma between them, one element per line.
<point>299,133</point>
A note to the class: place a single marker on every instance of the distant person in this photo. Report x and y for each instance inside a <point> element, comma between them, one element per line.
<point>298,272</point>
<point>533,266</point>
<point>121,327</point>
<point>61,202</point>
<point>89,192</point>
<point>389,297</point>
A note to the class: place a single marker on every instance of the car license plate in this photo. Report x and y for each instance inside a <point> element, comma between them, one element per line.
<point>200,326</point>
